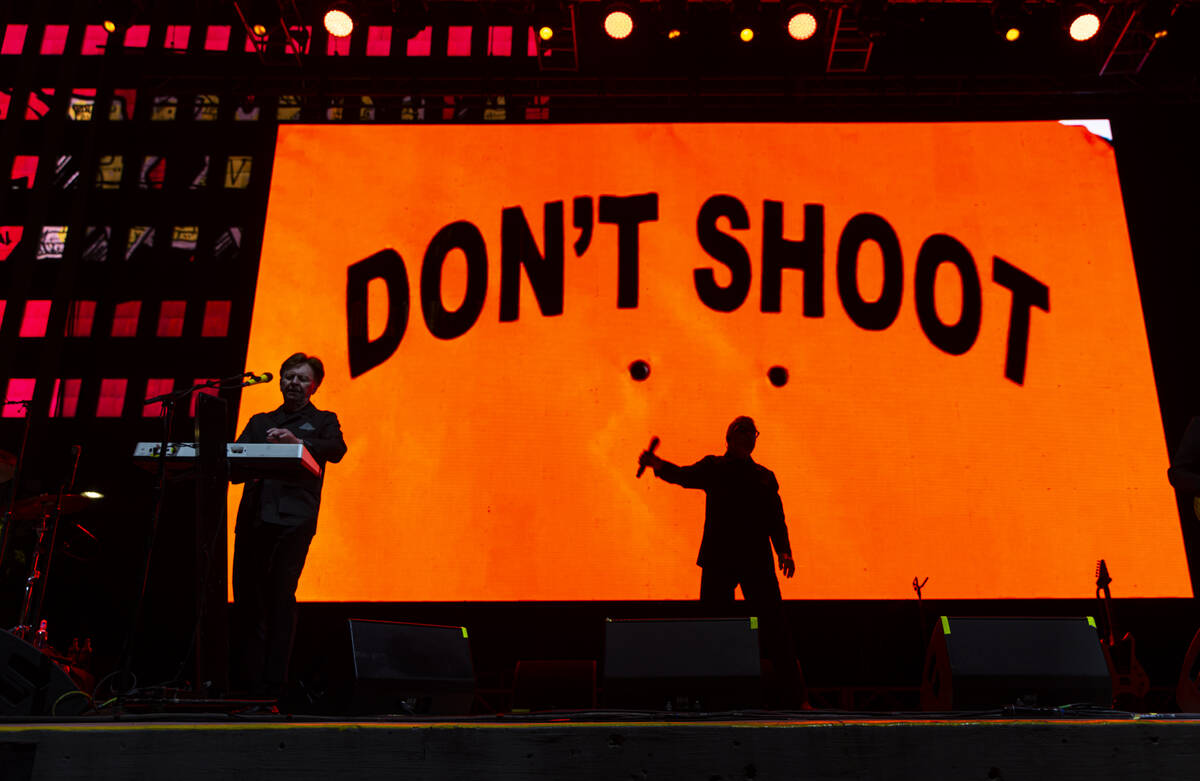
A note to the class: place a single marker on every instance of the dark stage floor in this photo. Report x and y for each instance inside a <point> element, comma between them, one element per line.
<point>609,745</point>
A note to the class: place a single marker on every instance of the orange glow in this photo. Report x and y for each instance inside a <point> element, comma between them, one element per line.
<point>499,464</point>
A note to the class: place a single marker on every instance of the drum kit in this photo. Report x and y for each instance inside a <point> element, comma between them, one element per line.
<point>45,511</point>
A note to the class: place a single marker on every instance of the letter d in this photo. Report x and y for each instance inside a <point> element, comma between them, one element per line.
<point>388,266</point>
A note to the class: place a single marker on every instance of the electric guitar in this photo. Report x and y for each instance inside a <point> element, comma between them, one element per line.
<point>1128,676</point>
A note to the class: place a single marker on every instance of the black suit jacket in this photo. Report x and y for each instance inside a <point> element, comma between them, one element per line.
<point>743,514</point>
<point>291,502</point>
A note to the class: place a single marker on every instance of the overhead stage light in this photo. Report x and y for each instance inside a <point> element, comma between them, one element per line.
<point>554,23</point>
<point>1010,17</point>
<point>1085,26</point>
<point>618,21</point>
<point>801,22</point>
<point>117,14</point>
<point>1157,16</point>
<point>338,20</point>
<point>673,18</point>
<point>618,24</point>
<point>746,18</point>
<point>1082,23</point>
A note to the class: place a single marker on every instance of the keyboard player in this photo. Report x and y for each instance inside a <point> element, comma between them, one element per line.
<point>276,521</point>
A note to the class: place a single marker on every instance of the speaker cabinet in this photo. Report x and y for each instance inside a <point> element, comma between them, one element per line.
<point>410,668</point>
<point>682,664</point>
<point>32,684</point>
<point>987,663</point>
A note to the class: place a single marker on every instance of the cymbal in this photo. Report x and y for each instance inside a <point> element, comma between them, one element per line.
<point>8,465</point>
<point>34,507</point>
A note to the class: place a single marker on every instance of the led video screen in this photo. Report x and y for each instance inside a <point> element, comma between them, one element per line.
<point>936,328</point>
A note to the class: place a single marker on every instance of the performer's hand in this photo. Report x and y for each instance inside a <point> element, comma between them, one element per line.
<point>282,435</point>
<point>787,565</point>
<point>647,458</point>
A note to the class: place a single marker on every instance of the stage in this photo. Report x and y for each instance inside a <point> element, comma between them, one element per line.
<point>521,272</point>
<point>609,745</point>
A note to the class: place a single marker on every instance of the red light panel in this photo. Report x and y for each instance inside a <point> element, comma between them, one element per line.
<point>216,319</point>
<point>33,323</point>
<point>170,319</point>
<point>112,398</point>
<point>125,318</point>
<point>68,393</point>
<point>19,389</point>
<point>14,38</point>
<point>156,387</point>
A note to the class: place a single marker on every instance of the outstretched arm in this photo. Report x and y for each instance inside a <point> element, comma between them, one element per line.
<point>694,476</point>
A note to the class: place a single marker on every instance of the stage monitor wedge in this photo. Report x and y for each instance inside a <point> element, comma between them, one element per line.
<point>988,663</point>
<point>32,684</point>
<point>703,664</point>
<point>413,669</point>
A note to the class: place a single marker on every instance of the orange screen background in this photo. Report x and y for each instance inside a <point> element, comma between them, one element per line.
<point>500,465</point>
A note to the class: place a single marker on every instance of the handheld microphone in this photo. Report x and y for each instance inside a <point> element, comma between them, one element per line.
<point>652,448</point>
<point>255,379</point>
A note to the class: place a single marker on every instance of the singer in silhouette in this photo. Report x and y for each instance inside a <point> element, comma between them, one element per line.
<point>743,518</point>
<point>276,521</point>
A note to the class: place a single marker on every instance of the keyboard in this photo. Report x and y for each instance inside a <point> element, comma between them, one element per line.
<point>246,461</point>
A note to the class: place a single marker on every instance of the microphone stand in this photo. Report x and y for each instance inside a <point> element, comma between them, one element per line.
<point>43,553</point>
<point>7,519</point>
<point>64,488</point>
<point>169,401</point>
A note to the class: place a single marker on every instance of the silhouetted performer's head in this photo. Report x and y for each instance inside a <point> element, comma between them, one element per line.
<point>740,437</point>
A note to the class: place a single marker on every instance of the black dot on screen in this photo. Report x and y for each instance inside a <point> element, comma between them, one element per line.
<point>639,370</point>
<point>778,376</point>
